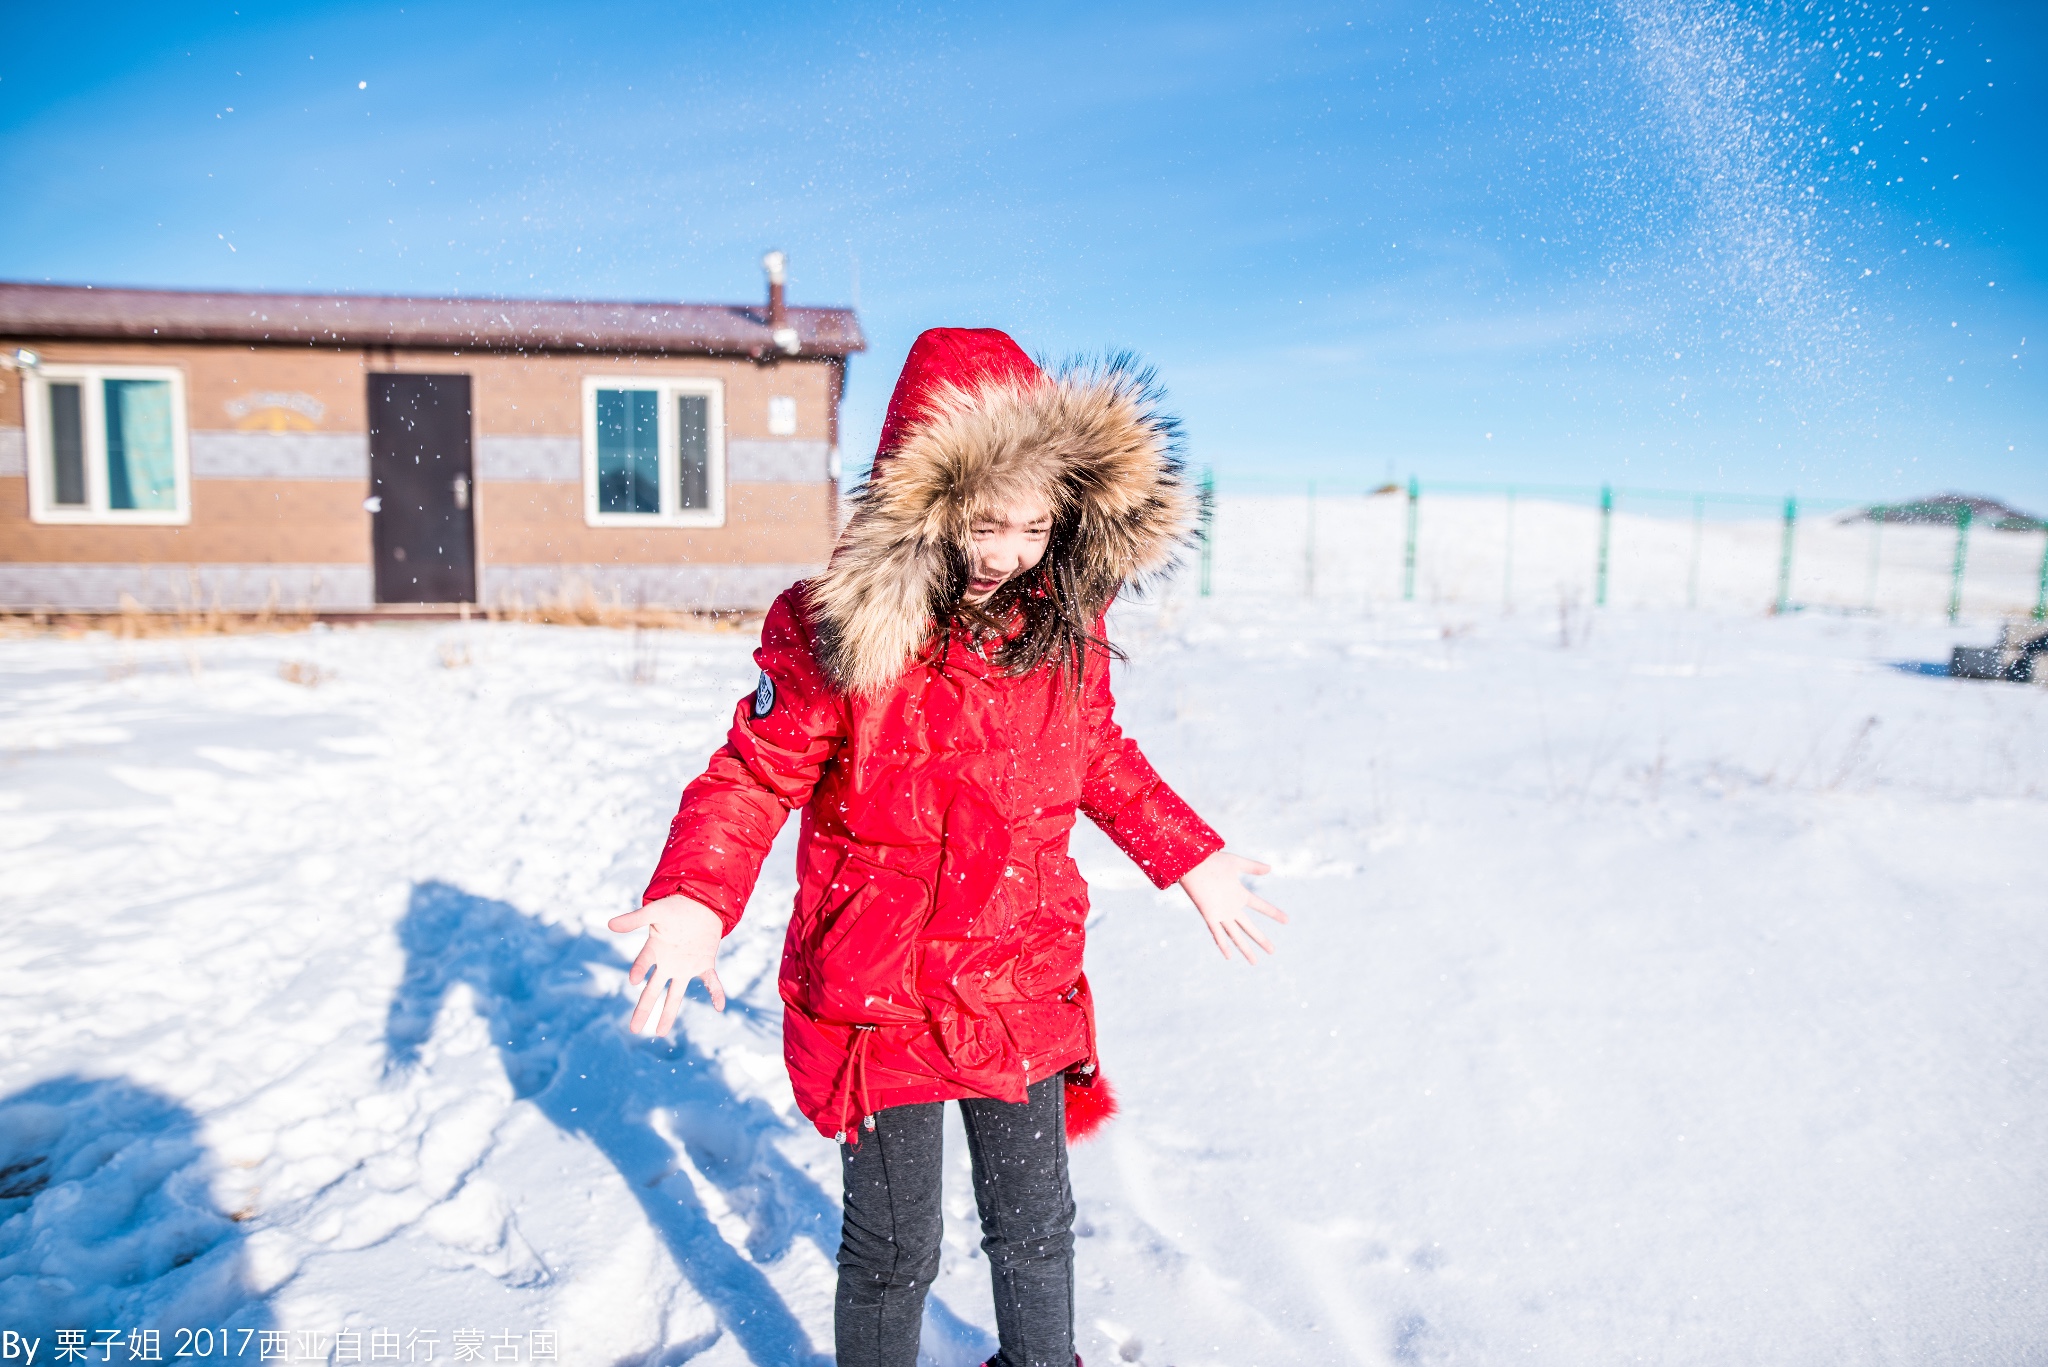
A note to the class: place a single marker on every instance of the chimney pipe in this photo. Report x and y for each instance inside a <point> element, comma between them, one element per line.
<point>775,264</point>
<point>779,330</point>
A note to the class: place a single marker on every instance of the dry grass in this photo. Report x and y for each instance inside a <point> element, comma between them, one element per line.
<point>303,672</point>
<point>577,606</point>
<point>135,622</point>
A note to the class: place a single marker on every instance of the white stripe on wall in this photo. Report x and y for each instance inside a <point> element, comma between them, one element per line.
<point>89,587</point>
<point>98,587</point>
<point>281,455</point>
<point>346,456</point>
<point>559,460</point>
<point>544,460</point>
<point>750,460</point>
<point>705,587</point>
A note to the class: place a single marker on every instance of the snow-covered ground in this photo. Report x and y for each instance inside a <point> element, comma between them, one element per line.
<point>1663,986</point>
<point>1534,554</point>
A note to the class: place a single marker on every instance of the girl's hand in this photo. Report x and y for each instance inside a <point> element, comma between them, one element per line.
<point>682,943</point>
<point>1216,887</point>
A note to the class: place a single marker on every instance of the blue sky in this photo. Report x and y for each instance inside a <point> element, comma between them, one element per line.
<point>1695,244</point>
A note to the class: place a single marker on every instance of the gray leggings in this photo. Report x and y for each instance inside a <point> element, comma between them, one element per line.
<point>889,1253</point>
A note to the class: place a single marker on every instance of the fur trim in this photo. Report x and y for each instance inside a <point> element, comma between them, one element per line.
<point>1089,440</point>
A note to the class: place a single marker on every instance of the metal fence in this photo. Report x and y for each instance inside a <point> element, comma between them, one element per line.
<point>1451,541</point>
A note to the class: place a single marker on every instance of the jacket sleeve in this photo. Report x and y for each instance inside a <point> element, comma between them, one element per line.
<point>770,762</point>
<point>1125,796</point>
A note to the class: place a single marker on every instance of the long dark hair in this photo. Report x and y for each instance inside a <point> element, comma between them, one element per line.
<point>1048,600</point>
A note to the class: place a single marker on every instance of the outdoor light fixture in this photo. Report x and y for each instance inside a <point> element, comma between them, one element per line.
<point>24,359</point>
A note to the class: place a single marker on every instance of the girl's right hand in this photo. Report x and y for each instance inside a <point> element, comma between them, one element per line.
<point>682,943</point>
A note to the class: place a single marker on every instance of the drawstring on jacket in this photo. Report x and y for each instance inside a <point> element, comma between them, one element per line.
<point>1082,1074</point>
<point>1089,1099</point>
<point>856,1067</point>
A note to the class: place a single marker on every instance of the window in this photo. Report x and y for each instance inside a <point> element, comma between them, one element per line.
<point>653,452</point>
<point>107,444</point>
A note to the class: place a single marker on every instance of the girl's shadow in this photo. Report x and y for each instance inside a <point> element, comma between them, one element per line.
<point>650,1106</point>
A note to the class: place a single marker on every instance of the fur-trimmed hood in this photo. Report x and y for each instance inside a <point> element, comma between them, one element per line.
<point>973,427</point>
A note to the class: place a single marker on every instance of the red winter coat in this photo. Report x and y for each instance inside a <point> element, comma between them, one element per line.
<point>935,947</point>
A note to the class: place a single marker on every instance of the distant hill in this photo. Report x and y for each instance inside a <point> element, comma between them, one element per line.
<point>1943,509</point>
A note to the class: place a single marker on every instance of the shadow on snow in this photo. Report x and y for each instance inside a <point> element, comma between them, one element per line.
<point>108,1222</point>
<point>566,1050</point>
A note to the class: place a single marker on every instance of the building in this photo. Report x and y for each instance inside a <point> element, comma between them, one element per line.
<point>342,452</point>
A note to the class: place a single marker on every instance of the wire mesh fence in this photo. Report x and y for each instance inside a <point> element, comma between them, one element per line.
<point>1531,545</point>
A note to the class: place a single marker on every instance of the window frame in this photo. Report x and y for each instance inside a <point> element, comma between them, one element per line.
<point>42,504</point>
<point>669,387</point>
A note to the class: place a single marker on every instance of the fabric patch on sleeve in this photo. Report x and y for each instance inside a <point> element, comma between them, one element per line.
<point>764,696</point>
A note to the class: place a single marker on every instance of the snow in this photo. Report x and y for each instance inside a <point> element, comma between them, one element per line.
<point>1659,988</point>
<point>1534,554</point>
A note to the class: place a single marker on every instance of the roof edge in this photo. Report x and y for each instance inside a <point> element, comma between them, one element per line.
<point>478,323</point>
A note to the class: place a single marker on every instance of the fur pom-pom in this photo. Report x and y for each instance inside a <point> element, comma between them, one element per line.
<point>1089,1108</point>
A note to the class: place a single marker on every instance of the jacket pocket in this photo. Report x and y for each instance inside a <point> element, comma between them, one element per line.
<point>861,951</point>
<point>1053,936</point>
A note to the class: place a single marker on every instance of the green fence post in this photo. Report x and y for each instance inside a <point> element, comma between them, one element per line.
<point>1955,586</point>
<point>1600,572</point>
<point>2041,594</point>
<point>1309,553</point>
<point>1699,527</point>
<point>1785,555</point>
<point>1507,572</point>
<point>1208,523</point>
<point>1408,557</point>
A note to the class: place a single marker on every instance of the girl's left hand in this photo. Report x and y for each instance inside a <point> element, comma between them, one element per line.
<point>1216,887</point>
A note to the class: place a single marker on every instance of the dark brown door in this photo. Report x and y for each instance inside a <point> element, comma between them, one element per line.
<point>420,488</point>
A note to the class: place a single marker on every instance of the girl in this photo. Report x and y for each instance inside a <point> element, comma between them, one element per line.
<point>937,703</point>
